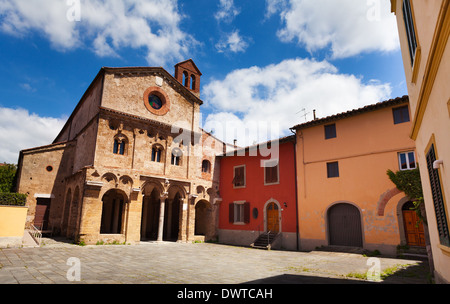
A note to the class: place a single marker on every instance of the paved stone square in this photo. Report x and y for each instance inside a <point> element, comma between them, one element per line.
<point>186,263</point>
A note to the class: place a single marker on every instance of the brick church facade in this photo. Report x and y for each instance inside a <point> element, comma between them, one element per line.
<point>130,164</point>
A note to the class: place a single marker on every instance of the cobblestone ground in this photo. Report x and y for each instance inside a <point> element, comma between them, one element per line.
<point>181,263</point>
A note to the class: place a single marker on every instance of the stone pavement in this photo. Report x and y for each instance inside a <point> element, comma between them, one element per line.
<point>185,263</point>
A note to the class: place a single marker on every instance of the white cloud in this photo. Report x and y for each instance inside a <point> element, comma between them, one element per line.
<point>21,130</point>
<point>227,11</point>
<point>27,87</point>
<point>233,43</point>
<point>273,96</point>
<point>104,26</point>
<point>349,27</point>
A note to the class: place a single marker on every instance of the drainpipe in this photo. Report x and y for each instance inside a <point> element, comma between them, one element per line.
<point>296,191</point>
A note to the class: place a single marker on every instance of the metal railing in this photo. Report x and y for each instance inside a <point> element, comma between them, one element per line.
<point>36,234</point>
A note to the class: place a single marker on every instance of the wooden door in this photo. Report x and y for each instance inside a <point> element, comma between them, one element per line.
<point>41,216</point>
<point>344,224</point>
<point>273,218</point>
<point>413,229</point>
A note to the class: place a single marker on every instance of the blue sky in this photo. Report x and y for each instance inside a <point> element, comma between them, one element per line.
<point>262,60</point>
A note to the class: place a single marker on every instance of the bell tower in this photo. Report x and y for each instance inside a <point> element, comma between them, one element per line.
<point>187,73</point>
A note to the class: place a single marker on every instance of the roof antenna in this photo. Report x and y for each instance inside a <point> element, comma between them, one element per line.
<point>304,115</point>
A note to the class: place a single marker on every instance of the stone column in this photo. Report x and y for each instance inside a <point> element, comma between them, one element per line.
<point>169,219</point>
<point>182,235</point>
<point>161,217</point>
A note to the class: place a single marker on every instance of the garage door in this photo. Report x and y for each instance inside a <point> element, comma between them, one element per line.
<point>344,224</point>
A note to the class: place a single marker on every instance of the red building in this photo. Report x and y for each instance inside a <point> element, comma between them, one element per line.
<point>257,186</point>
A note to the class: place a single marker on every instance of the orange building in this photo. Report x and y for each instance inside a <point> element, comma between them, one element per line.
<point>424,30</point>
<point>345,197</point>
<point>258,196</point>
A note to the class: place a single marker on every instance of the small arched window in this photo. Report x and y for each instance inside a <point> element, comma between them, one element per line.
<point>176,157</point>
<point>193,82</point>
<point>206,166</point>
<point>120,143</point>
<point>186,79</point>
<point>157,154</point>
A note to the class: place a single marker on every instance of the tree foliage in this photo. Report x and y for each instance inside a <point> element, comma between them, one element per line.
<point>409,182</point>
<point>7,173</point>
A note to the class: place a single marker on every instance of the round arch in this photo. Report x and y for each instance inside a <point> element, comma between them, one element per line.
<point>202,217</point>
<point>113,212</point>
<point>344,224</point>
<point>275,205</point>
<point>149,186</point>
<point>176,188</point>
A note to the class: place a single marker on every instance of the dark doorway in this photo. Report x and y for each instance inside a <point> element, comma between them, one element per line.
<point>172,219</point>
<point>150,216</point>
<point>112,212</point>
<point>42,213</point>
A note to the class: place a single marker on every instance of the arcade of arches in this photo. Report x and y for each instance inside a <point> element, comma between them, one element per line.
<point>159,212</point>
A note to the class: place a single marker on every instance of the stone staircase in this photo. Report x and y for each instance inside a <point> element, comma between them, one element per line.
<point>265,240</point>
<point>412,252</point>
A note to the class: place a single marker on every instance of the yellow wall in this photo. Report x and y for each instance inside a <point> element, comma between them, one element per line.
<point>367,145</point>
<point>430,96</point>
<point>12,221</point>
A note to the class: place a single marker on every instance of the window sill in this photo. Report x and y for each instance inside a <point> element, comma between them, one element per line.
<point>415,68</point>
<point>445,249</point>
<point>239,223</point>
<point>270,184</point>
<point>238,187</point>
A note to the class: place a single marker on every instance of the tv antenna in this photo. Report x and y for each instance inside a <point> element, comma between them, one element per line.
<point>304,113</point>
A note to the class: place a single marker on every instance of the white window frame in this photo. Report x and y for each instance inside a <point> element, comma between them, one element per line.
<point>271,161</point>
<point>245,177</point>
<point>239,211</point>
<point>406,153</point>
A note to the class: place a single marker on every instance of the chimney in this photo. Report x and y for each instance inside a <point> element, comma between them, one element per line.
<point>314,113</point>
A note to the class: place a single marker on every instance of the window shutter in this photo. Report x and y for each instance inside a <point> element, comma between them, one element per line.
<point>231,213</point>
<point>438,200</point>
<point>238,176</point>
<point>274,174</point>
<point>247,213</point>
<point>268,177</point>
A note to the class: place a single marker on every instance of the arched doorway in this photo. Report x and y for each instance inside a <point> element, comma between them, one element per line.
<point>272,218</point>
<point>113,212</point>
<point>414,232</point>
<point>202,217</point>
<point>172,218</point>
<point>150,215</point>
<point>344,225</point>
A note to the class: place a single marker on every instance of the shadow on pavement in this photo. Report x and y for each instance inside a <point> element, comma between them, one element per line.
<point>303,279</point>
